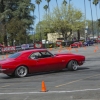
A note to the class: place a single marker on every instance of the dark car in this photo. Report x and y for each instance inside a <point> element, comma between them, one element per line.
<point>88,43</point>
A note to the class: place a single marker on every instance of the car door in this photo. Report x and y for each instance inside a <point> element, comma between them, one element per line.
<point>33,62</point>
<point>48,61</point>
<point>44,61</point>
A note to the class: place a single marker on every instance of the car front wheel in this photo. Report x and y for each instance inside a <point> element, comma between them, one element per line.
<point>72,65</point>
<point>21,71</point>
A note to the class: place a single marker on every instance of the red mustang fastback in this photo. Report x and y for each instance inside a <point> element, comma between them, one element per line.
<point>38,60</point>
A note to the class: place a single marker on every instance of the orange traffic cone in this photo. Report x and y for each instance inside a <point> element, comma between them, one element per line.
<point>95,50</point>
<point>43,87</point>
<point>50,49</point>
<point>2,57</point>
<point>85,48</point>
<point>6,55</point>
<point>76,50</point>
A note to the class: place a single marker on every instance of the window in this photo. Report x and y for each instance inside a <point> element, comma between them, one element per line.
<point>45,54</point>
<point>35,55</point>
<point>42,54</point>
<point>15,55</point>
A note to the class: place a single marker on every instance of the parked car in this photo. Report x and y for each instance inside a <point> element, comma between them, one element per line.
<point>89,43</point>
<point>1,45</point>
<point>77,44</point>
<point>38,60</point>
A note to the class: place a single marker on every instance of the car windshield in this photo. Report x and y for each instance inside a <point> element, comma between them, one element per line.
<point>15,55</point>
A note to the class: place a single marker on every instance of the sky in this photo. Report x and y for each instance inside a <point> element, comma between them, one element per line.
<point>79,4</point>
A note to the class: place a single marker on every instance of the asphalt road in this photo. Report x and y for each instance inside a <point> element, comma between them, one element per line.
<point>82,84</point>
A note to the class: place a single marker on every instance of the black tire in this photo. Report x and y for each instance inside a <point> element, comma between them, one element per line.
<point>72,65</point>
<point>21,71</point>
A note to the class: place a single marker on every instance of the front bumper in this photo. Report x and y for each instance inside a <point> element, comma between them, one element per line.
<point>81,62</point>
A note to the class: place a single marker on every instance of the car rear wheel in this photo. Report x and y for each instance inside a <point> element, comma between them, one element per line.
<point>72,65</point>
<point>21,71</point>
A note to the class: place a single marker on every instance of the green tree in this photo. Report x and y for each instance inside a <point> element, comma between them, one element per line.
<point>11,13</point>
<point>64,21</point>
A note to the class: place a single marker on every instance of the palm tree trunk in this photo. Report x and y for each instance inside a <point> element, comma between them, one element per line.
<point>69,4</point>
<point>96,12</point>
<point>92,19</point>
<point>85,19</point>
<point>97,20</point>
<point>57,3</point>
<point>39,23</point>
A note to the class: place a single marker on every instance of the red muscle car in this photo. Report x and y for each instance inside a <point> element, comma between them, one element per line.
<point>77,44</point>
<point>38,60</point>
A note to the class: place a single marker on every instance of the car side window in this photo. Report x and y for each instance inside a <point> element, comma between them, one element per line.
<point>45,54</point>
<point>35,55</point>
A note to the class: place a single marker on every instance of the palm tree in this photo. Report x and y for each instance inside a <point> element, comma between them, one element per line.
<point>69,4</point>
<point>65,2</point>
<point>95,2</point>
<point>38,3</point>
<point>33,23</point>
<point>46,7</point>
<point>92,19</point>
<point>57,3</point>
<point>48,1</point>
<point>85,17</point>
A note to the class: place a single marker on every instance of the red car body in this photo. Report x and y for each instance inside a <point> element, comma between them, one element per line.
<point>77,44</point>
<point>44,63</point>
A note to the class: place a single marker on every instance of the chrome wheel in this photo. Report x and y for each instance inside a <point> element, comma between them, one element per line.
<point>21,71</point>
<point>72,65</point>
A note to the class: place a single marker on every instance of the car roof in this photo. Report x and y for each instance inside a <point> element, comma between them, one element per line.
<point>33,50</point>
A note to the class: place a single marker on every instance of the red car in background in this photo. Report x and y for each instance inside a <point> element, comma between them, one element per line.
<point>1,45</point>
<point>76,44</point>
<point>38,60</point>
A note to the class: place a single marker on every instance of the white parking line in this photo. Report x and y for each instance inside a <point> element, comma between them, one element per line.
<point>76,80</point>
<point>48,92</point>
